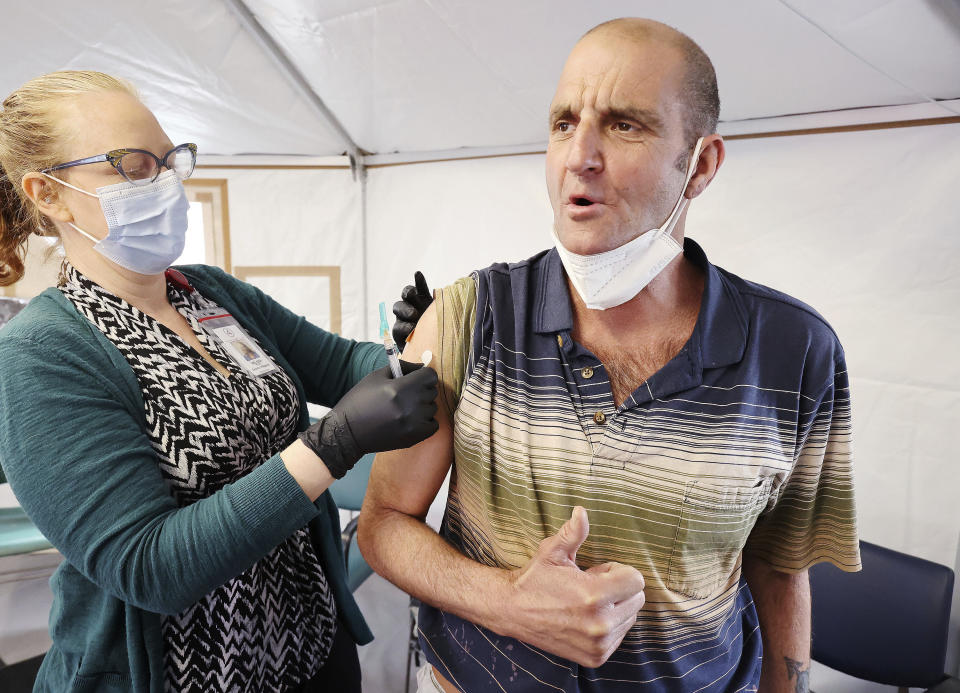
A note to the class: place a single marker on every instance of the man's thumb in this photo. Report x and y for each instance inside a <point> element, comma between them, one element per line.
<point>571,536</point>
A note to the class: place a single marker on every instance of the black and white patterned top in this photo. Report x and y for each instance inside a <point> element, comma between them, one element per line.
<point>271,627</point>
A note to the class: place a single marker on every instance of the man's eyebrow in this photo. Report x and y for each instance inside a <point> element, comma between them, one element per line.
<point>647,118</point>
<point>561,112</point>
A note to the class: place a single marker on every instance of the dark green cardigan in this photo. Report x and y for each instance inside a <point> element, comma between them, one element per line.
<point>75,449</point>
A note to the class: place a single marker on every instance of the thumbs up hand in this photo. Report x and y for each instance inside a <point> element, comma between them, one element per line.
<point>581,615</point>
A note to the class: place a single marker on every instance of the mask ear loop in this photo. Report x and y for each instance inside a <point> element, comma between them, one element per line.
<point>682,202</point>
<point>84,233</point>
<point>80,190</point>
<point>74,187</point>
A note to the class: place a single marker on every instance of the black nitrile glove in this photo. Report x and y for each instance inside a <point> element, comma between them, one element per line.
<point>378,413</point>
<point>414,300</point>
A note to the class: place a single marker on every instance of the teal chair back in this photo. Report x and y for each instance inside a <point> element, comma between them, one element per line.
<point>18,534</point>
<point>348,494</point>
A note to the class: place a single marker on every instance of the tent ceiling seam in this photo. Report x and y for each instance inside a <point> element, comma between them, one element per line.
<point>293,73</point>
<point>866,62</point>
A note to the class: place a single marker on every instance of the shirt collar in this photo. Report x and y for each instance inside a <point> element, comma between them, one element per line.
<point>721,330</point>
<point>554,312</point>
<point>722,325</point>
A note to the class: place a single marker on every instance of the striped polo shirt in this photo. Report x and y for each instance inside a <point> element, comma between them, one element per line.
<point>740,442</point>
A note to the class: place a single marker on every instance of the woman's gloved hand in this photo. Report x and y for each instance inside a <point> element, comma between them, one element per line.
<point>414,300</point>
<point>378,413</point>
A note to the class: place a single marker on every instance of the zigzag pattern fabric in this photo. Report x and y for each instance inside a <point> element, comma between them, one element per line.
<point>741,442</point>
<point>271,627</point>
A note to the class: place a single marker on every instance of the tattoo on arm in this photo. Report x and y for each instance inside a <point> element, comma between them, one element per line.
<point>794,668</point>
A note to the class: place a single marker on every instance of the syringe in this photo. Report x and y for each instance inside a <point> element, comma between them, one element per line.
<point>393,354</point>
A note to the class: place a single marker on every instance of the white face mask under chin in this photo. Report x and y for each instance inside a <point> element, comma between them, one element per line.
<point>609,279</point>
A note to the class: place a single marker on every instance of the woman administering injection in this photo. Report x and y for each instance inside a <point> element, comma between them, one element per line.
<point>153,423</point>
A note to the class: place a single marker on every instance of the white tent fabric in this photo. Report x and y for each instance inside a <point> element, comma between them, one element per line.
<point>426,75</point>
<point>206,78</point>
<point>313,217</point>
<point>433,74</point>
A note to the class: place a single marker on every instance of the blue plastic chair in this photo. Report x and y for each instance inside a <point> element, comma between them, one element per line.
<point>348,494</point>
<point>888,623</point>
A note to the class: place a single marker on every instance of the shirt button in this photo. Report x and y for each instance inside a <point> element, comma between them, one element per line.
<point>560,340</point>
<point>587,372</point>
<point>599,417</point>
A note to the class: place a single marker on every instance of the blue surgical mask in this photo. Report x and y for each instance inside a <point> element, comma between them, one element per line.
<point>147,224</point>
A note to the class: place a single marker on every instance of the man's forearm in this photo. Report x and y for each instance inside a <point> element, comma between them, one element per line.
<point>783,607</point>
<point>580,615</point>
<point>412,556</point>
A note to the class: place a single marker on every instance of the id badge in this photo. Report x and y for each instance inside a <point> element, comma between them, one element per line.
<point>226,331</point>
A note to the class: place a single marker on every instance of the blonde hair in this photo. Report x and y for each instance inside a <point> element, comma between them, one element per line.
<point>31,136</point>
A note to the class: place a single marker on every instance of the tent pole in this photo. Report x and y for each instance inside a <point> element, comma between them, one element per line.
<point>354,153</point>
<point>365,325</point>
<point>253,26</point>
<point>359,171</point>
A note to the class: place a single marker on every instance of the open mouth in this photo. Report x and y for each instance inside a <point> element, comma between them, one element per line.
<point>582,202</point>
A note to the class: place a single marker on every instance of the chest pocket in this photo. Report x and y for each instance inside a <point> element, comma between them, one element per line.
<point>715,522</point>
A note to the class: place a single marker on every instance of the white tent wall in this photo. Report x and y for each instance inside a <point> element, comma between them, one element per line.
<point>860,225</point>
<point>313,217</point>
<point>450,217</point>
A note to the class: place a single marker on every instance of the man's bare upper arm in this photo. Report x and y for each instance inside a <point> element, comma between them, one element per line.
<point>408,480</point>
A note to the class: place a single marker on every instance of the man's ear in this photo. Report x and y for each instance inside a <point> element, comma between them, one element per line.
<point>711,157</point>
<point>45,196</point>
